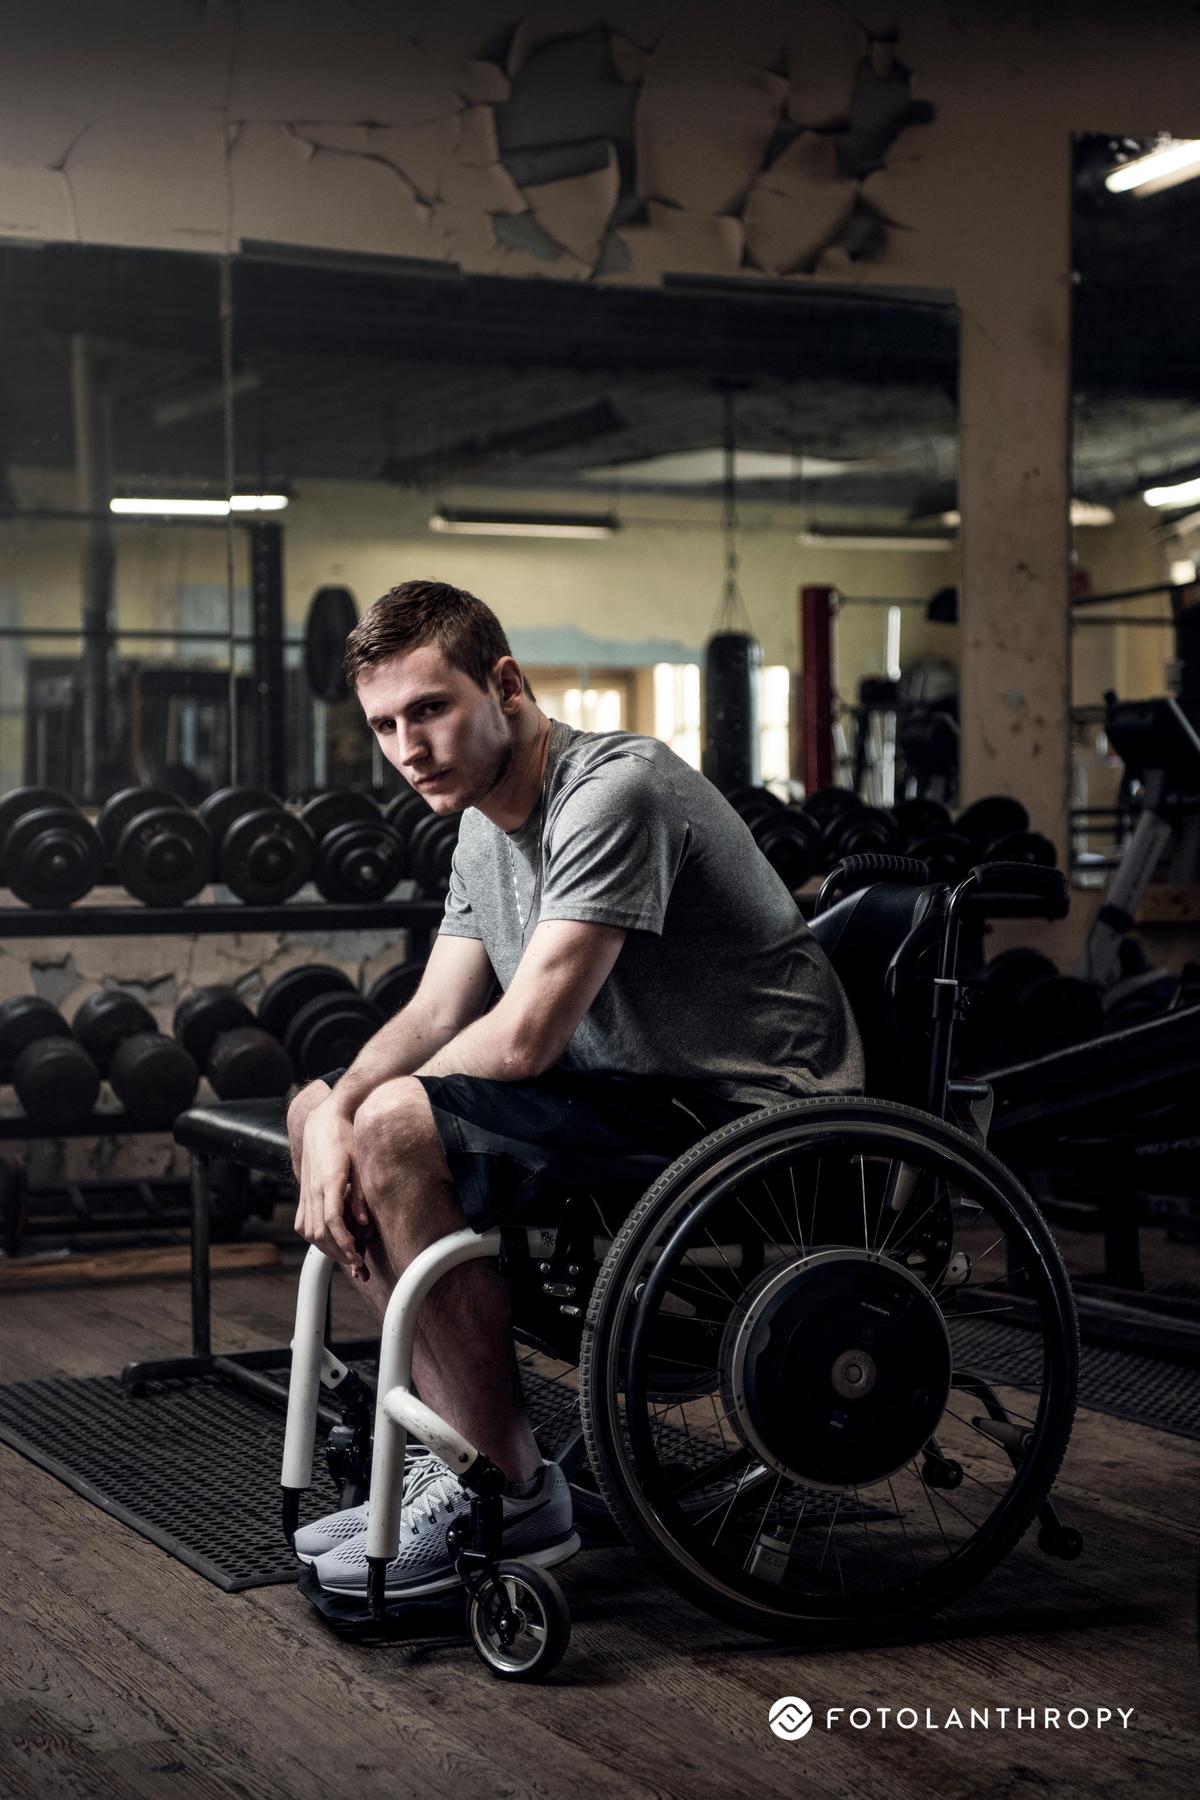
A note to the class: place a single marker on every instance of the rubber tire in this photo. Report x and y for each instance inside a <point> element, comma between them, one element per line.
<point>553,1606</point>
<point>624,1262</point>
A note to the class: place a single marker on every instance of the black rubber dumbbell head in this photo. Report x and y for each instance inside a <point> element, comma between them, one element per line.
<point>23,1020</point>
<point>52,856</point>
<point>395,987</point>
<point>283,997</point>
<point>247,1064</point>
<point>431,852</point>
<point>329,1032</point>
<point>267,855</point>
<point>105,1020</point>
<point>154,1078</point>
<point>56,1082</point>
<point>203,1015</point>
<point>162,853</point>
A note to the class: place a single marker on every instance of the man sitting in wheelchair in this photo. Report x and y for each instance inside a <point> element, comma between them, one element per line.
<point>655,981</point>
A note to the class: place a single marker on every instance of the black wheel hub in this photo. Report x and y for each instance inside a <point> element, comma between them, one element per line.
<point>836,1369</point>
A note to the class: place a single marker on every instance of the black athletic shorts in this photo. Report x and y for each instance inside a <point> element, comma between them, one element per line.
<point>514,1146</point>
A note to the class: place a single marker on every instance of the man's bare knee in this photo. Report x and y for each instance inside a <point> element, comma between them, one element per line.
<point>394,1124</point>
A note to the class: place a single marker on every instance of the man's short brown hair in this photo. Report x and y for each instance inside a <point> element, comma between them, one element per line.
<point>468,633</point>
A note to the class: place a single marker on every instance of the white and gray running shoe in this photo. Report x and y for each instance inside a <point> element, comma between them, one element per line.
<point>311,1541</point>
<point>539,1528</point>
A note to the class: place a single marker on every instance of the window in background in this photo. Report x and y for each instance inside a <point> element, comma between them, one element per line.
<point>600,706</point>
<point>677,708</point>
<point>677,715</point>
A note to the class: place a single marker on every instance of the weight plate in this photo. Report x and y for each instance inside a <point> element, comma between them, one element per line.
<point>154,1078</point>
<point>220,810</point>
<point>246,1064</point>
<point>328,811</point>
<point>829,804</point>
<point>395,987</point>
<point>1030,847</point>
<point>24,1019</point>
<point>283,997</point>
<point>406,811</point>
<point>106,1019</point>
<point>332,616</point>
<point>56,1082</point>
<point>202,1017</point>
<point>52,857</point>
<point>362,860</point>
<point>865,832</point>
<point>995,816</point>
<point>29,799</point>
<point>752,802</point>
<point>164,856</point>
<point>431,852</point>
<point>329,1032</point>
<point>267,856</point>
<point>920,819</point>
<point>121,808</point>
<point>791,843</point>
<point>946,855</point>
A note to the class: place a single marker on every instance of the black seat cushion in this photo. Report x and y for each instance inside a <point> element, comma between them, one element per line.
<point>250,1132</point>
<point>883,942</point>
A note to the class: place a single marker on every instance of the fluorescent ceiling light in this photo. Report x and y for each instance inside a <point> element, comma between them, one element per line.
<point>157,507</point>
<point>705,468</point>
<point>542,525</point>
<point>1083,512</point>
<point>1176,160</point>
<point>1182,494</point>
<point>866,537</point>
<point>196,509</point>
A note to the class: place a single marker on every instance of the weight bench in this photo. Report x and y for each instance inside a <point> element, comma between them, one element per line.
<point>238,1136</point>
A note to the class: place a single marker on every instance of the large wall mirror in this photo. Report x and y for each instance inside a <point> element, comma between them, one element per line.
<point>594,462</point>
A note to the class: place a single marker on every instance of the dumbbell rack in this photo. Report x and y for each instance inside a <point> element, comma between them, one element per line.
<point>419,917</point>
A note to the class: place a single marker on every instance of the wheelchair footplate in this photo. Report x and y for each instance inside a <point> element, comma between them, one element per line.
<point>404,1621</point>
<point>517,1620</point>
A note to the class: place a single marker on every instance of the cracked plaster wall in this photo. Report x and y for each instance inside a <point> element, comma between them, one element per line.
<point>912,144</point>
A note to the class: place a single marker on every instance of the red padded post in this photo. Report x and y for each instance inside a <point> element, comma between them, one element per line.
<point>817,608</point>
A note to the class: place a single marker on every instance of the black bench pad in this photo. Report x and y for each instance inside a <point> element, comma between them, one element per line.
<point>250,1132</point>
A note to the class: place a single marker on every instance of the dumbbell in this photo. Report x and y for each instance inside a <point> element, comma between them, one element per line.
<point>360,856</point>
<point>395,987</point>
<point>55,1079</point>
<point>161,852</point>
<point>918,819</point>
<point>1020,1006</point>
<point>791,843</point>
<point>264,854</point>
<point>153,1078</point>
<point>404,809</point>
<point>319,1017</point>
<point>751,803</point>
<point>998,830</point>
<point>49,854</point>
<point>240,1059</point>
<point>431,849</point>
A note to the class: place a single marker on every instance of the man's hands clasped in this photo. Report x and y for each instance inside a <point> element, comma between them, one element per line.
<point>332,1214</point>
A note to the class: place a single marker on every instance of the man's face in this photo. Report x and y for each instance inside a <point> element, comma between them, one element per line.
<point>445,735</point>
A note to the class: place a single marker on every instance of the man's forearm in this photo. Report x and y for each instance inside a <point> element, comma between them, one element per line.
<point>400,1047</point>
<point>493,1048</point>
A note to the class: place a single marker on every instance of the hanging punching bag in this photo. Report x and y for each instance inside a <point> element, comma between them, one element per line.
<point>732,660</point>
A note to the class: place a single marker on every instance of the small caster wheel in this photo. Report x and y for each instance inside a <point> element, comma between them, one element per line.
<point>1061,1540</point>
<point>942,1473</point>
<point>518,1622</point>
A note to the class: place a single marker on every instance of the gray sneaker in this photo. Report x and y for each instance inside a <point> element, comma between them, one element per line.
<point>311,1541</point>
<point>539,1528</point>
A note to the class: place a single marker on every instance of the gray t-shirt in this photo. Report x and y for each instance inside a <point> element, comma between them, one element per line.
<point>719,979</point>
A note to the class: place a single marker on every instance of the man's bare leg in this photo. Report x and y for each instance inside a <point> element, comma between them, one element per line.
<point>463,1362</point>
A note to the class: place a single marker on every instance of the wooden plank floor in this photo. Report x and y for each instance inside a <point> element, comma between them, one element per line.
<point>122,1673</point>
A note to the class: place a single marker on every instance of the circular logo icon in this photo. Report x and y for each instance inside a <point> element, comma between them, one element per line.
<point>790,1718</point>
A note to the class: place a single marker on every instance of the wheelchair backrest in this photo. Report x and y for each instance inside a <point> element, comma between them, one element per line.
<point>883,942</point>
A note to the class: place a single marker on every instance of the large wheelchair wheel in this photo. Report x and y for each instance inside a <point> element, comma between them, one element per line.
<point>828,1372</point>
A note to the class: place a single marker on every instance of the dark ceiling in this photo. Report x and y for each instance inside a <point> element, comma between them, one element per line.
<point>417,374</point>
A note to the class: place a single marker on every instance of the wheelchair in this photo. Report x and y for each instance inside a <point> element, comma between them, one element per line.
<point>822,1375</point>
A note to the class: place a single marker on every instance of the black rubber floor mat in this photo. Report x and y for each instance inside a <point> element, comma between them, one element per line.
<point>1152,1390</point>
<point>194,1465</point>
